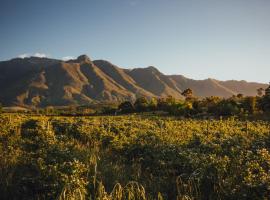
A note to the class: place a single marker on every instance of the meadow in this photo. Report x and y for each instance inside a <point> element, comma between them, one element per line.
<point>132,157</point>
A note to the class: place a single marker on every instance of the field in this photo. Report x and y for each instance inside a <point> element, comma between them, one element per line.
<point>133,157</point>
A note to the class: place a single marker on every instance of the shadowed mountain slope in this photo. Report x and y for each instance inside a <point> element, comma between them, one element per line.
<point>42,81</point>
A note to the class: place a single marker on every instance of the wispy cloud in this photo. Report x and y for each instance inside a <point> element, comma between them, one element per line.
<point>37,54</point>
<point>68,58</point>
<point>41,55</point>
<point>25,55</point>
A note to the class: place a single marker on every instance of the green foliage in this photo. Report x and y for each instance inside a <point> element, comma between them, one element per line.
<point>260,92</point>
<point>109,110</point>
<point>266,100</point>
<point>126,107</point>
<point>134,157</point>
<point>153,103</point>
<point>228,107</point>
<point>237,105</point>
<point>250,104</point>
<point>188,93</point>
<point>141,104</point>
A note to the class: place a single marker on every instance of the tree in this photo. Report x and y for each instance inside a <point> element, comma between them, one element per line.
<point>210,104</point>
<point>267,91</point>
<point>152,105</point>
<point>240,96</point>
<point>126,107</point>
<point>109,110</point>
<point>188,93</point>
<point>166,104</point>
<point>161,104</point>
<point>228,107</point>
<point>141,104</point>
<point>266,100</point>
<point>170,100</point>
<point>177,108</point>
<point>250,104</point>
<point>260,92</point>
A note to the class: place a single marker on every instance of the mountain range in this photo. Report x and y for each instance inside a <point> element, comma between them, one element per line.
<point>40,82</point>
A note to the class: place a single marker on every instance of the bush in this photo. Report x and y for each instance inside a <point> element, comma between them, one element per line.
<point>126,107</point>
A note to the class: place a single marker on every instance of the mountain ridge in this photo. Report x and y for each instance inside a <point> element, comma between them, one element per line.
<point>40,82</point>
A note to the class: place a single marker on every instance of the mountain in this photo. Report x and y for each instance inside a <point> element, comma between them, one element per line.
<point>41,82</point>
<point>212,87</point>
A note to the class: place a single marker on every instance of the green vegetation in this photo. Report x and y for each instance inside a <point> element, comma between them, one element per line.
<point>237,105</point>
<point>133,157</point>
<point>245,107</point>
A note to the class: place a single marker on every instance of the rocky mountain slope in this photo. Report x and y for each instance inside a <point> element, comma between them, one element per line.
<point>42,81</point>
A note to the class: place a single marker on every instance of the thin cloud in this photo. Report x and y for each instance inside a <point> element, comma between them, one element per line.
<point>68,58</point>
<point>37,54</point>
<point>25,55</point>
<point>41,55</point>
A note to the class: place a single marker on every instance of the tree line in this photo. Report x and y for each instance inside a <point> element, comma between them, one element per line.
<point>190,106</point>
<point>194,106</point>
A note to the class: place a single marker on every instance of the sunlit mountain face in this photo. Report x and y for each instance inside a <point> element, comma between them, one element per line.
<point>41,82</point>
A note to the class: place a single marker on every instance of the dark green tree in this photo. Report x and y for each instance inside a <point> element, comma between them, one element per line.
<point>267,91</point>
<point>126,107</point>
<point>153,103</point>
<point>250,104</point>
<point>188,93</point>
<point>228,107</point>
<point>240,96</point>
<point>141,104</point>
<point>170,100</point>
<point>210,104</point>
<point>166,104</point>
<point>161,104</point>
<point>260,92</point>
<point>265,103</point>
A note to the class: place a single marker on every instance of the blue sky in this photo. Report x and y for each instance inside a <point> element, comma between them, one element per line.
<point>222,39</point>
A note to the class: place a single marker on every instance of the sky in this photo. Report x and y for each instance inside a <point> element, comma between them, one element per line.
<point>221,39</point>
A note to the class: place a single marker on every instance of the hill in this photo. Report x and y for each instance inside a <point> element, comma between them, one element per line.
<point>41,82</point>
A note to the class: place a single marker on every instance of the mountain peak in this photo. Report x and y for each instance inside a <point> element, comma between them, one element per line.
<point>153,69</point>
<point>81,81</point>
<point>83,58</point>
